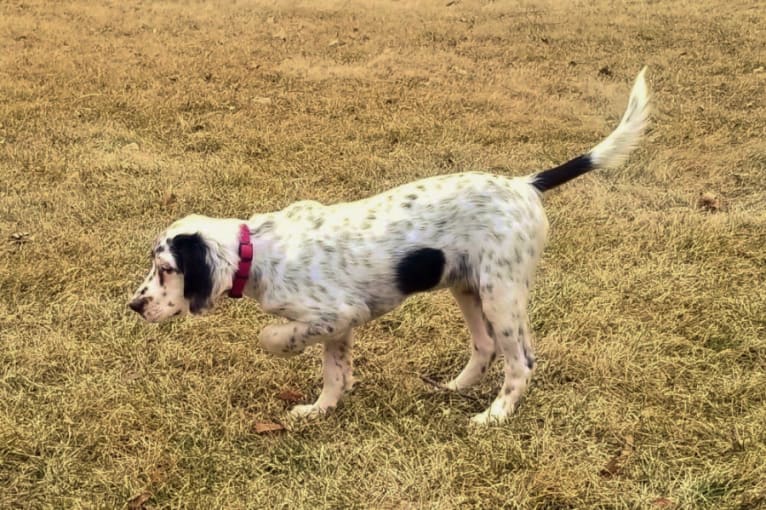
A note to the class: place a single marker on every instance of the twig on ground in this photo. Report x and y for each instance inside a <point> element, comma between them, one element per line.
<point>441,387</point>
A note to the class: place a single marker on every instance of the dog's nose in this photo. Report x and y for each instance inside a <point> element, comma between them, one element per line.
<point>137,305</point>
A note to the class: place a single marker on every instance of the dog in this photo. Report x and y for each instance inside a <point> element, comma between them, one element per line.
<point>330,268</point>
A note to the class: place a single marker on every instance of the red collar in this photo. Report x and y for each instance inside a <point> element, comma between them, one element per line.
<point>245,261</point>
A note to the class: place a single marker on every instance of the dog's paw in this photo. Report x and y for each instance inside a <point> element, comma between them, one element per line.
<point>307,411</point>
<point>348,383</point>
<point>487,418</point>
<point>481,419</point>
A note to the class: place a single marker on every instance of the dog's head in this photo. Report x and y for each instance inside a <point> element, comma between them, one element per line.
<point>186,272</point>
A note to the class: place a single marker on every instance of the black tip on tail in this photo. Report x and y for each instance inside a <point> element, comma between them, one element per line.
<point>549,179</point>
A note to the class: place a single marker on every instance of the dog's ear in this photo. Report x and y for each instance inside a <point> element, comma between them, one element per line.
<point>190,253</point>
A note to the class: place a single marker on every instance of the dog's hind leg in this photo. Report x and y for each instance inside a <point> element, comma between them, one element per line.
<point>505,307</point>
<point>482,344</point>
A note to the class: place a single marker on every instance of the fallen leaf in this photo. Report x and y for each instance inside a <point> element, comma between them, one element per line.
<point>709,202</point>
<point>280,33</point>
<point>662,502</point>
<point>169,198</point>
<point>612,467</point>
<point>290,396</point>
<point>265,427</point>
<point>20,237</point>
<point>137,503</point>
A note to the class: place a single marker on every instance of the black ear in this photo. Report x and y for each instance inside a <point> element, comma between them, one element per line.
<point>190,253</point>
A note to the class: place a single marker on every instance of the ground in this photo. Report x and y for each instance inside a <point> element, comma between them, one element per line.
<point>649,312</point>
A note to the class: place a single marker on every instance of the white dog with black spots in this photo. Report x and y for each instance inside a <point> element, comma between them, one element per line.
<point>330,268</point>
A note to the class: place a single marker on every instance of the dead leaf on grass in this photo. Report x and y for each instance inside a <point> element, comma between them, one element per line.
<point>280,33</point>
<point>605,71</point>
<point>137,503</point>
<point>19,237</point>
<point>662,502</point>
<point>266,427</point>
<point>709,202</point>
<point>290,396</point>
<point>169,199</point>
<point>614,466</point>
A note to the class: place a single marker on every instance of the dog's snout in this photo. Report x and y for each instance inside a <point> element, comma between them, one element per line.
<point>137,305</point>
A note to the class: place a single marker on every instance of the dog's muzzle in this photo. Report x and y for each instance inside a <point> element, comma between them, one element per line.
<point>138,305</point>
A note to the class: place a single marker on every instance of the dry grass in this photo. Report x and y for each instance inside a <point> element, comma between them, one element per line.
<point>649,312</point>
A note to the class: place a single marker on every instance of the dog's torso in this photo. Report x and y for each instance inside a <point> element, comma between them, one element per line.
<point>361,259</point>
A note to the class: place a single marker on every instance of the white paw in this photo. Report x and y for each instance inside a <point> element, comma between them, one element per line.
<point>307,411</point>
<point>488,418</point>
<point>349,383</point>
<point>481,418</point>
<point>453,385</point>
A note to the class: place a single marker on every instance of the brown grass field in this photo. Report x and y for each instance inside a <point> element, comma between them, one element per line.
<point>649,312</point>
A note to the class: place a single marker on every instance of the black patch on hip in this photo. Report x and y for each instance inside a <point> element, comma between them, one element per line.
<point>190,253</point>
<point>420,270</point>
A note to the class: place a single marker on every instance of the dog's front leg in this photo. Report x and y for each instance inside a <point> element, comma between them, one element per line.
<point>338,376</point>
<point>292,338</point>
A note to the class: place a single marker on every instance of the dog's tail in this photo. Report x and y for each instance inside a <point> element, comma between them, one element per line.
<point>611,152</point>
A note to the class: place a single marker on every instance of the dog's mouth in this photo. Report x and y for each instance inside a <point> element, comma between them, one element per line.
<point>149,314</point>
<point>156,320</point>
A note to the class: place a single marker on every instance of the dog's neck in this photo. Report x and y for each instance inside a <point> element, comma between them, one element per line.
<point>223,238</point>
<point>242,275</point>
<point>265,255</point>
